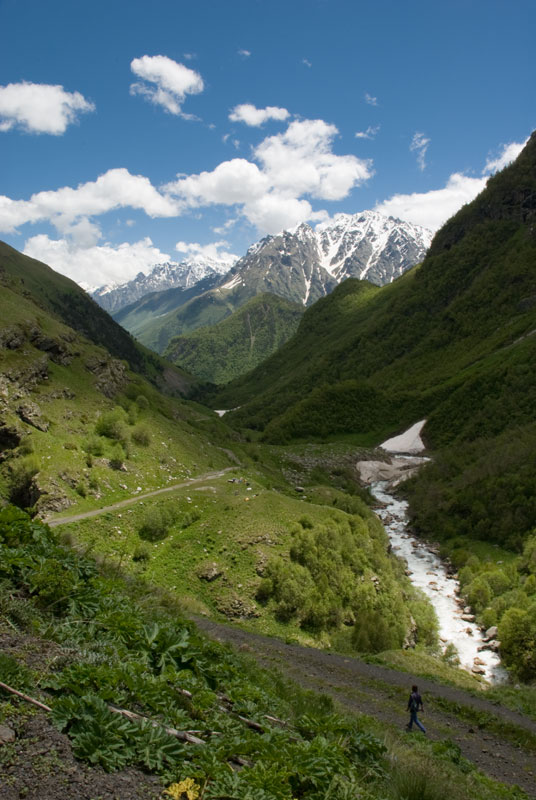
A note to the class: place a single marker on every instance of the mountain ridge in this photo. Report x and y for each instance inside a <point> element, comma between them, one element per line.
<point>299,266</point>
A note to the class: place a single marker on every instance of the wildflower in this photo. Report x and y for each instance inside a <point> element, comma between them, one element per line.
<point>187,789</point>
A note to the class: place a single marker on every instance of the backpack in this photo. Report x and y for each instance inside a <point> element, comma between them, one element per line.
<point>414,703</point>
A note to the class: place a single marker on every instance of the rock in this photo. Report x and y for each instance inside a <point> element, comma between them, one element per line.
<point>299,488</point>
<point>477,670</point>
<point>491,633</point>
<point>31,414</point>
<point>468,617</point>
<point>7,735</point>
<point>209,572</point>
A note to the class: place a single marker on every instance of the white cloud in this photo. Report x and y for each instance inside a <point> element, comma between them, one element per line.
<point>254,117</point>
<point>509,153</point>
<point>372,101</point>
<point>274,212</point>
<point>370,133</point>
<point>432,209</point>
<point>306,62</point>
<point>40,108</point>
<point>172,82</point>
<point>292,164</point>
<point>301,161</point>
<point>215,251</point>
<point>117,188</point>
<point>95,266</point>
<point>419,144</point>
<point>244,53</point>
<point>231,182</point>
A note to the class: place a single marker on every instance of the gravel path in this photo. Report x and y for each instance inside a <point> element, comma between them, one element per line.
<point>382,693</point>
<point>54,521</point>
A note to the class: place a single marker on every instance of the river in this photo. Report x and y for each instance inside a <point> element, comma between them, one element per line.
<point>424,567</point>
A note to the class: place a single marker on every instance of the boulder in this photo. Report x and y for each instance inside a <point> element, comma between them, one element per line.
<point>209,572</point>
<point>491,633</point>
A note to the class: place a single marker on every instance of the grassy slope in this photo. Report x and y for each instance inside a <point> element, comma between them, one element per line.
<point>237,344</point>
<point>66,301</point>
<point>119,642</point>
<point>208,308</point>
<point>68,462</point>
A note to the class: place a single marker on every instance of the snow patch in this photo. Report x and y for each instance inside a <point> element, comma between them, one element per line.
<point>408,442</point>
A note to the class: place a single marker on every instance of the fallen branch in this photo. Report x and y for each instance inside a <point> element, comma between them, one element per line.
<point>186,736</point>
<point>25,697</point>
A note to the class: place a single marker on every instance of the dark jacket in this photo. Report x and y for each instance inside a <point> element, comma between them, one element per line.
<point>415,702</point>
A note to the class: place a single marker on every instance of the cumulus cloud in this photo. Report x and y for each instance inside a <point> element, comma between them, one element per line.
<point>96,265</point>
<point>419,144</point>
<point>292,164</point>
<point>255,117</point>
<point>244,53</point>
<point>231,182</point>
<point>301,161</point>
<point>215,251</point>
<point>370,133</point>
<point>432,209</point>
<point>509,153</point>
<point>116,188</point>
<point>40,108</point>
<point>172,82</point>
<point>372,101</point>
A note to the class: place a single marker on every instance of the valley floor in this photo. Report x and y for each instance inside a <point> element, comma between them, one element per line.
<point>381,693</point>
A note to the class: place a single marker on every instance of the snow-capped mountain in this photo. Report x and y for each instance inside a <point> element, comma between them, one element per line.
<point>169,275</point>
<point>305,264</point>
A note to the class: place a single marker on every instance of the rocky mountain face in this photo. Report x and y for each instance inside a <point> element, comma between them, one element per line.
<point>169,275</point>
<point>305,264</point>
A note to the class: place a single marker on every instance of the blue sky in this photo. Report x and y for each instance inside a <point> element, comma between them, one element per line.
<point>135,132</point>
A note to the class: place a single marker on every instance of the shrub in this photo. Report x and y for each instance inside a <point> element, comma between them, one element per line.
<point>94,446</point>
<point>113,425</point>
<point>117,456</point>
<point>156,523</point>
<point>141,435</point>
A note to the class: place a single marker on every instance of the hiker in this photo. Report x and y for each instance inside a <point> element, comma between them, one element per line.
<point>414,705</point>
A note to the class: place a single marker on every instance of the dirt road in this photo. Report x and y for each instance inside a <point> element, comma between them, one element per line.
<point>382,693</point>
<point>54,521</point>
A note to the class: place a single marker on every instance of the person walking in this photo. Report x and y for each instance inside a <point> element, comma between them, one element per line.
<point>415,704</point>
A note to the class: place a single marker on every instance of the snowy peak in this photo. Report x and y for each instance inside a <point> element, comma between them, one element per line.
<point>304,264</point>
<point>169,275</point>
<point>370,246</point>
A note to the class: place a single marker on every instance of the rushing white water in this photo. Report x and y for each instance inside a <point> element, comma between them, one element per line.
<point>427,571</point>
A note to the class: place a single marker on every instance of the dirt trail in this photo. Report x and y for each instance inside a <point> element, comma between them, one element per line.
<point>382,693</point>
<point>54,521</point>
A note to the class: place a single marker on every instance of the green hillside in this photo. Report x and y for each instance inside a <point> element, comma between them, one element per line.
<point>199,311</point>
<point>447,340</point>
<point>80,432</point>
<point>237,344</point>
<point>65,301</point>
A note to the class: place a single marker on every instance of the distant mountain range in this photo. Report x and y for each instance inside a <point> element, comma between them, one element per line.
<point>301,265</point>
<point>170,275</point>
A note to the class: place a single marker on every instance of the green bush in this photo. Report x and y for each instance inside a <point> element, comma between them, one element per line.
<point>141,435</point>
<point>113,425</point>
